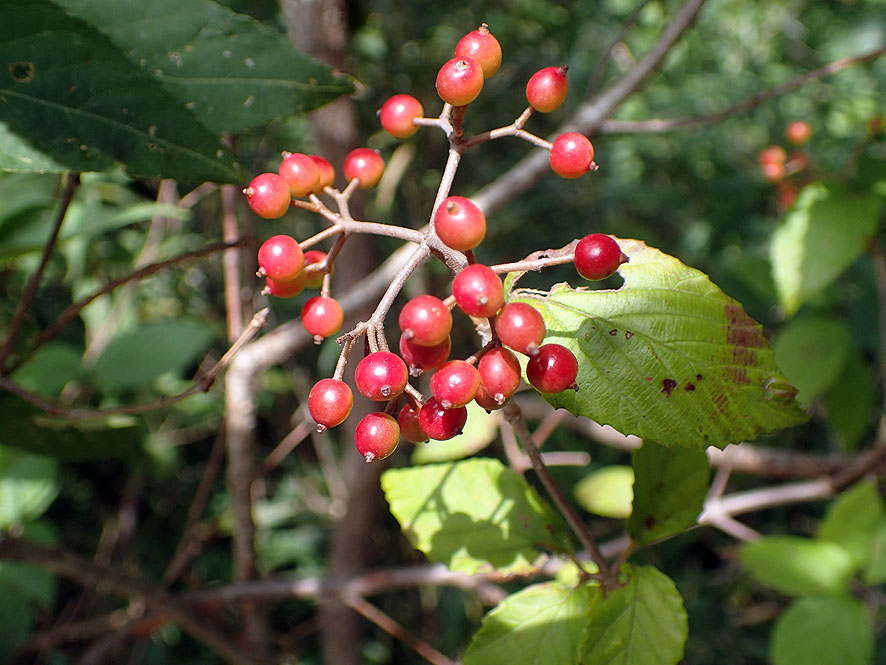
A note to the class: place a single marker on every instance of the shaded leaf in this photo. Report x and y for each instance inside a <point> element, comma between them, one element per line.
<point>850,402</point>
<point>875,573</point>
<point>28,484</point>
<point>830,630</point>
<point>798,566</point>
<point>812,352</point>
<point>607,491</point>
<point>853,520</point>
<point>50,369</point>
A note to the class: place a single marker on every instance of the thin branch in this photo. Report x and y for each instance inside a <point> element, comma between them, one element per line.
<point>231,262</point>
<point>879,264</point>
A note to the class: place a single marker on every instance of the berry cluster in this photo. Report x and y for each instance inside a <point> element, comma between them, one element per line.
<point>457,226</point>
<point>778,167</point>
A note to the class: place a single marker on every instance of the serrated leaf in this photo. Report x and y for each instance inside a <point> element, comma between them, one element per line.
<point>474,515</point>
<point>798,566</point>
<point>830,630</point>
<point>825,231</point>
<point>670,485</point>
<point>480,430</point>
<point>812,352</point>
<point>28,484</point>
<point>607,491</point>
<point>850,402</point>
<point>641,623</point>
<point>539,625</point>
<point>668,356</point>
<point>853,519</point>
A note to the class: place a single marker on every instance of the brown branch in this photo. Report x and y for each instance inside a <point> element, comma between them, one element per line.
<point>231,262</point>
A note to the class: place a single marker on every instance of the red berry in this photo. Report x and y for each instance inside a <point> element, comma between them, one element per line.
<point>488,401</point>
<point>425,320</point>
<point>376,436</point>
<point>441,424</point>
<point>420,358</point>
<point>520,327</point>
<point>772,154</point>
<point>499,372</point>
<point>326,171</point>
<point>787,194</point>
<point>410,428</point>
<point>366,165</point>
<point>301,172</point>
<point>547,89</point>
<point>330,402</point>
<point>315,277</point>
<point>268,195</point>
<point>478,291</point>
<point>798,132</point>
<point>459,223</point>
<point>460,81</point>
<point>773,171</point>
<point>553,369</point>
<point>572,155</point>
<point>280,258</point>
<point>483,47</point>
<point>322,316</point>
<point>597,256</point>
<point>381,376</point>
<point>455,384</point>
<point>396,115</point>
<point>288,289</point>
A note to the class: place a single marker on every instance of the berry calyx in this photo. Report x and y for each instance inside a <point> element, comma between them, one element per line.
<point>280,258</point>
<point>397,113</point>
<point>459,223</point>
<point>553,369</point>
<point>326,171</point>
<point>441,424</point>
<point>268,195</point>
<point>547,89</point>
<point>499,372</point>
<point>330,402</point>
<point>421,358</point>
<point>478,291</point>
<point>460,81</point>
<point>520,327</point>
<point>455,384</point>
<point>300,172</point>
<point>322,316</point>
<point>597,256</point>
<point>483,47</point>
<point>425,320</point>
<point>381,376</point>
<point>798,132</point>
<point>288,289</point>
<point>410,427</point>
<point>366,165</point>
<point>376,436</point>
<point>314,279</point>
<point>572,155</point>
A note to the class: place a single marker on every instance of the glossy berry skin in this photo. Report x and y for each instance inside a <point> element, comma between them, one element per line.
<point>288,289</point>
<point>425,320</point>
<point>397,113</point>
<point>572,155</point>
<point>314,278</point>
<point>421,358</point>
<point>499,372</point>
<point>488,401</point>
<point>460,81</point>
<point>366,165</point>
<point>798,132</point>
<point>410,428</point>
<point>322,316</point>
<point>455,384</point>
<point>459,223</point>
<point>478,291</point>
<point>597,256</point>
<point>376,436</point>
<point>520,327</point>
<point>330,402</point>
<point>326,171</point>
<point>547,89</point>
<point>483,47</point>
<point>381,376</point>
<point>441,424</point>
<point>553,369</point>
<point>268,195</point>
<point>281,258</point>
<point>300,172</point>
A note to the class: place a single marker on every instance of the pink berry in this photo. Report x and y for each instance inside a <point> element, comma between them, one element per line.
<point>397,113</point>
<point>488,401</point>
<point>459,223</point>
<point>597,256</point>
<point>478,291</point>
<point>798,132</point>
<point>330,402</point>
<point>288,289</point>
<point>499,372</point>
<point>326,171</point>
<point>483,47</point>
<point>455,384</point>
<point>366,165</point>
<point>410,427</point>
<point>425,320</point>
<point>381,376</point>
<point>547,89</point>
<point>441,424</point>
<point>421,358</point>
<point>268,195</point>
<point>315,277</point>
<point>553,369</point>
<point>572,155</point>
<point>376,436</point>
<point>521,327</point>
<point>322,316</point>
<point>280,258</point>
<point>460,81</point>
<point>301,173</point>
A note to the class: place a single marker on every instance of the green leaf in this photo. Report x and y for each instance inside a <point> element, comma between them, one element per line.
<point>474,515</point>
<point>28,484</point>
<point>825,231</point>
<point>50,369</point>
<point>231,72</point>
<point>850,402</point>
<point>812,352</point>
<point>875,573</point>
<point>78,102</point>
<point>539,625</point>
<point>134,359</point>
<point>830,630</point>
<point>798,566</point>
<point>16,624</point>
<point>607,491</point>
<point>853,519</point>
<point>669,491</point>
<point>668,356</point>
<point>480,430</point>
<point>641,623</point>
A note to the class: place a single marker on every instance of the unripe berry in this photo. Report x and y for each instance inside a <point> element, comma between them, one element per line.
<point>483,47</point>
<point>381,376</point>
<point>553,369</point>
<point>547,89</point>
<point>499,372</point>
<point>798,132</point>
<point>460,81</point>
<point>326,171</point>
<point>572,155</point>
<point>376,436</point>
<point>425,320</point>
<point>315,277</point>
<point>421,358</point>
<point>441,424</point>
<point>478,291</point>
<point>410,427</point>
<point>366,165</point>
<point>301,173</point>
<point>322,316</point>
<point>396,115</point>
<point>288,289</point>
<point>521,327</point>
<point>330,402</point>
<point>597,256</point>
<point>459,223</point>
<point>455,384</point>
<point>268,195</point>
<point>280,258</point>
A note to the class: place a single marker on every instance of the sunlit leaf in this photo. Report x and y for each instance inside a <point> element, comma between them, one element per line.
<point>830,630</point>
<point>798,566</point>
<point>28,484</point>
<point>853,520</point>
<point>607,491</point>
